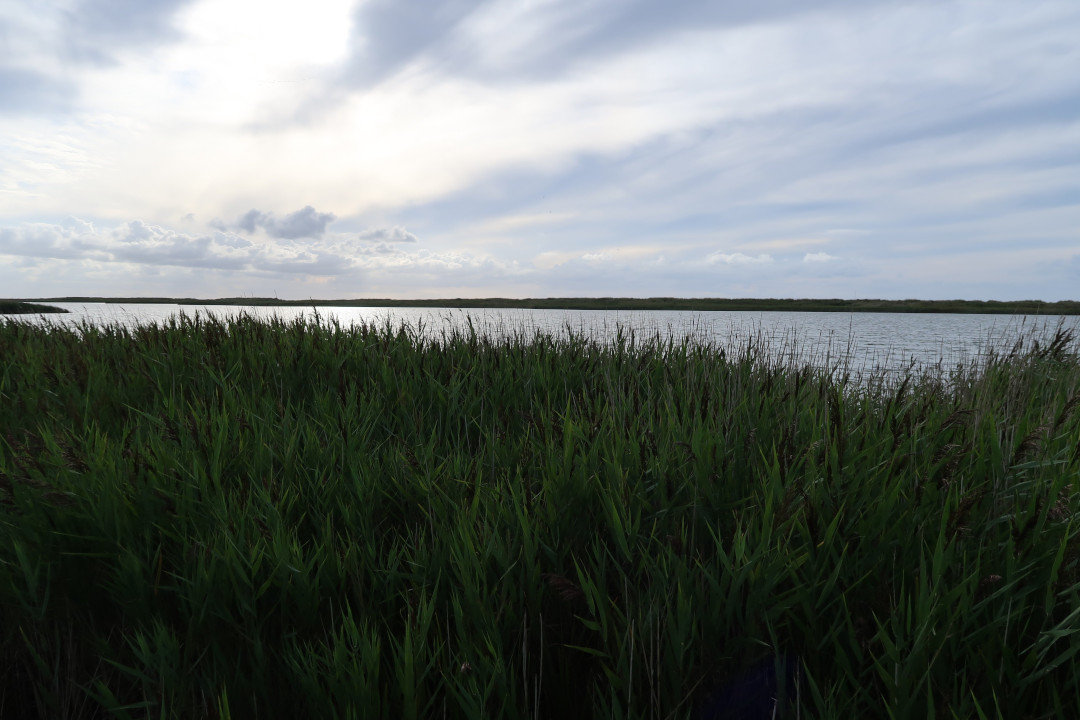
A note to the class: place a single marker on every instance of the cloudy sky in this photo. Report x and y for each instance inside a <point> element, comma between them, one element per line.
<point>537,148</point>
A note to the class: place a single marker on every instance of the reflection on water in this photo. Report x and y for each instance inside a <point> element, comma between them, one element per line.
<point>858,341</point>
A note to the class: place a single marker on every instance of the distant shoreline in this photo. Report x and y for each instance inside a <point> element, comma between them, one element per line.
<point>989,307</point>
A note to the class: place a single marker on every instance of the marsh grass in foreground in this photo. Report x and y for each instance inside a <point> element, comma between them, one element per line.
<point>244,518</point>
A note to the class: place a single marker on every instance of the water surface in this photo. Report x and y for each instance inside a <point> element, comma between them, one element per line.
<point>861,341</point>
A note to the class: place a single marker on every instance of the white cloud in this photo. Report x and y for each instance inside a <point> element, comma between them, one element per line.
<point>550,259</point>
<point>136,243</point>
<point>146,244</point>
<point>720,258</point>
<point>818,257</point>
<point>509,223</point>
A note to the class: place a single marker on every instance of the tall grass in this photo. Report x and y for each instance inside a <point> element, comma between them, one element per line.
<point>206,518</point>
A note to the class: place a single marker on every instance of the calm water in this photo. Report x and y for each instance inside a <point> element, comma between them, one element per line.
<point>864,341</point>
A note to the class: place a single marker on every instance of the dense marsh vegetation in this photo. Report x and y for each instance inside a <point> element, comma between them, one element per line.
<point>212,519</point>
<point>16,307</point>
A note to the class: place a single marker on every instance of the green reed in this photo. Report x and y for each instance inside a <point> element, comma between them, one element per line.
<point>209,518</point>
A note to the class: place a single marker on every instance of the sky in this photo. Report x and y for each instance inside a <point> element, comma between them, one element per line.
<point>540,148</point>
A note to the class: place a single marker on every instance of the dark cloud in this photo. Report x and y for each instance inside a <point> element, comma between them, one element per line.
<point>960,113</point>
<point>304,223</point>
<point>387,235</point>
<point>388,34</point>
<point>251,220</point>
<point>28,91</point>
<point>91,31</point>
<point>95,29</point>
<point>136,231</point>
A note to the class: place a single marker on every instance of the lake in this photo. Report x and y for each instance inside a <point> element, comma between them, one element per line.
<point>862,341</point>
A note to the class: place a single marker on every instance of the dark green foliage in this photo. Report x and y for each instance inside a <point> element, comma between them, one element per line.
<point>213,519</point>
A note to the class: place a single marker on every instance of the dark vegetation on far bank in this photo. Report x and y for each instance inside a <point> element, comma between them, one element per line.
<point>209,518</point>
<point>1019,307</point>
<point>18,307</point>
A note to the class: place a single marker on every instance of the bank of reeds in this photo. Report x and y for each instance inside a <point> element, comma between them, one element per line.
<point>16,307</point>
<point>265,519</point>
